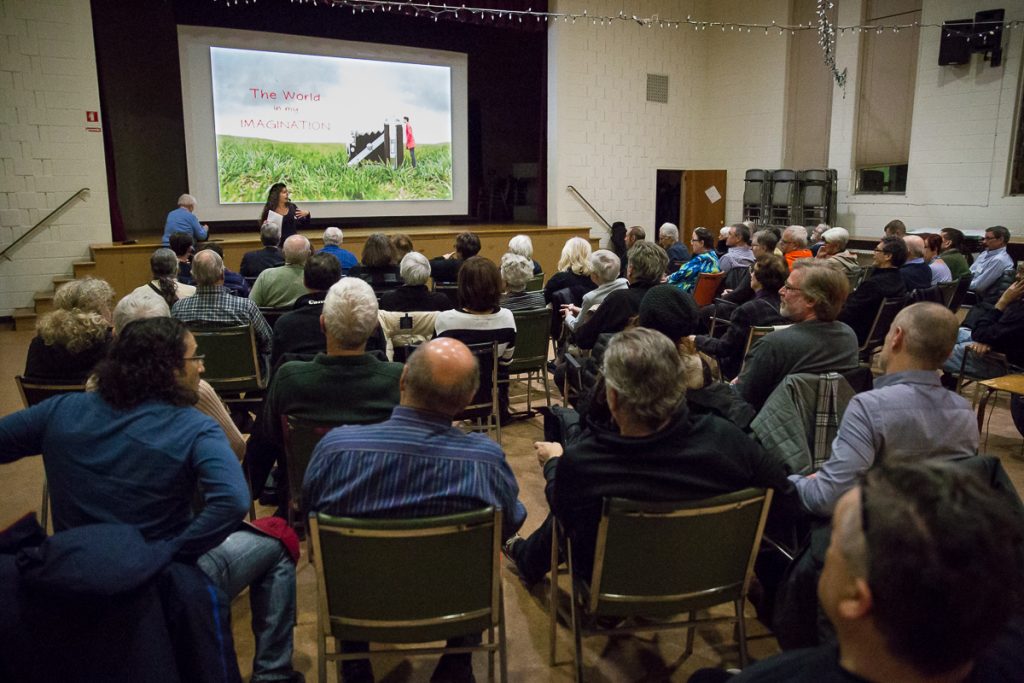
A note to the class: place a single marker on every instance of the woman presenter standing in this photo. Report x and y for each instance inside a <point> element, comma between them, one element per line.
<point>282,212</point>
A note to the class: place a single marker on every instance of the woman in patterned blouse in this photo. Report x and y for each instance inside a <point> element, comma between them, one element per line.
<point>704,260</point>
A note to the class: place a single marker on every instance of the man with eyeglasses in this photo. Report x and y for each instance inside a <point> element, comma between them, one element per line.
<point>794,244</point>
<point>921,582</point>
<point>990,264</point>
<point>811,298</point>
<point>885,282</point>
<point>135,451</point>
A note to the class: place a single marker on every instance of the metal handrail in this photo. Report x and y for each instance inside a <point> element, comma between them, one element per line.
<point>46,219</point>
<point>590,206</point>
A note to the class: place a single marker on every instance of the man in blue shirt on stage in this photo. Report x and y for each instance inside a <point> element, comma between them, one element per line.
<point>416,464</point>
<point>183,219</point>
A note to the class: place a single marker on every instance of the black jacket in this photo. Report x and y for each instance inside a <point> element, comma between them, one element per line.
<point>255,262</point>
<point>862,304</point>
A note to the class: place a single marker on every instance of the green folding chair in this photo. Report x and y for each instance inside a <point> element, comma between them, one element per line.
<point>530,357</point>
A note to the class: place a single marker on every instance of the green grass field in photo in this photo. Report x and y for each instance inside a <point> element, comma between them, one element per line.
<point>247,167</point>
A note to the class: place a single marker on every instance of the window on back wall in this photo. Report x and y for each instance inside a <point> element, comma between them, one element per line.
<point>1017,165</point>
<point>885,97</point>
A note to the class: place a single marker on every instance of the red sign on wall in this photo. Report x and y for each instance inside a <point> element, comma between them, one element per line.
<point>92,116</point>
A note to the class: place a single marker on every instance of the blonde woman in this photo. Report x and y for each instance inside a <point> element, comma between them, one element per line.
<point>573,272</point>
<point>70,340</point>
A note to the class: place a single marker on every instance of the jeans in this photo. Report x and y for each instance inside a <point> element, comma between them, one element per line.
<point>247,558</point>
<point>979,367</point>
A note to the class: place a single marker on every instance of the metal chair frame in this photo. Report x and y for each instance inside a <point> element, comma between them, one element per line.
<point>531,353</point>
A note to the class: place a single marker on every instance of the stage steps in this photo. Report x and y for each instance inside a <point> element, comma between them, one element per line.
<point>42,302</point>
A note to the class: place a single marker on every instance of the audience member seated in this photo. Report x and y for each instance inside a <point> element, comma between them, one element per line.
<point>523,245</point>
<point>834,252</point>
<point>646,266</point>
<point>816,342</point>
<point>921,581</point>
<point>953,253</point>
<point>270,256</point>
<point>414,295</point>
<point>907,416</point>
<point>183,246</point>
<point>481,319</point>
<point>401,244</point>
<point>279,287</point>
<point>816,240</point>
<point>212,303</point>
<point>604,272</point>
<point>299,331</point>
<point>915,272</point>
<point>678,254</point>
<point>446,268</point>
<point>163,264</point>
<point>183,219</point>
<point>767,276</point>
<point>999,329</point>
<point>232,280</point>
<point>704,260</point>
<point>895,228</point>
<point>762,242</point>
<point>932,247</point>
<point>884,282</point>
<point>333,238</point>
<point>73,337</point>
<point>345,385</point>
<point>989,265</point>
<point>573,272</point>
<point>794,244</point>
<point>739,254</point>
<point>140,307</point>
<point>377,267</point>
<point>418,465</point>
<point>134,452</point>
<point>658,452</point>
<point>516,271</point>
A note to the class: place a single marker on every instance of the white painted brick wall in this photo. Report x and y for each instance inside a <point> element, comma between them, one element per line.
<point>47,83</point>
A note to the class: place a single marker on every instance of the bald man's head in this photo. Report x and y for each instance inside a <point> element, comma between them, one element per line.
<point>929,332</point>
<point>915,246</point>
<point>441,376</point>
<point>296,250</point>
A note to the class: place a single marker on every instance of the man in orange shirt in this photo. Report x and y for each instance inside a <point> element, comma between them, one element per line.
<point>794,244</point>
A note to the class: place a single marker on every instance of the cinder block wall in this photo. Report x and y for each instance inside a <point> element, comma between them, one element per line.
<point>47,84</point>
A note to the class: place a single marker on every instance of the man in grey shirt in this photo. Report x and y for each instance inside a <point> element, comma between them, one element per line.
<point>908,415</point>
<point>740,255</point>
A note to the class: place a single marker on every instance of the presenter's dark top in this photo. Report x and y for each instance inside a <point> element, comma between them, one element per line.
<point>291,224</point>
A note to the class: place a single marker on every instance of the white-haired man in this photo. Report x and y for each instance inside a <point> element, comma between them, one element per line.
<point>183,219</point>
<point>281,286</point>
<point>915,272</point>
<point>794,244</point>
<point>678,254</point>
<point>333,237</point>
<point>834,252</point>
<point>604,271</point>
<point>414,295</point>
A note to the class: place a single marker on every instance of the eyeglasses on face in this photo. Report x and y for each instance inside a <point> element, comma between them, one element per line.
<point>199,357</point>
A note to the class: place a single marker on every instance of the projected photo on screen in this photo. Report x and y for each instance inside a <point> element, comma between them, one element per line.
<point>335,129</point>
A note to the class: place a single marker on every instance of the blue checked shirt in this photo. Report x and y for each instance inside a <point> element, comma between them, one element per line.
<point>414,464</point>
<point>219,305</point>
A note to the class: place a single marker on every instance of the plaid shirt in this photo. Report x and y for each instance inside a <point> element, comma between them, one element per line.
<point>219,305</point>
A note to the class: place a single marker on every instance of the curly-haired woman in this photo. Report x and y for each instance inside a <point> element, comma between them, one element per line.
<point>70,340</point>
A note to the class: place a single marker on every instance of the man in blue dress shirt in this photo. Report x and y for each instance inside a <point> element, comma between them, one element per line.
<point>183,219</point>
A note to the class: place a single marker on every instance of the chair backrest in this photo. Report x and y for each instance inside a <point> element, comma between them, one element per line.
<point>707,287</point>
<point>535,283</point>
<point>486,399</point>
<point>695,554</point>
<point>272,314</point>
<point>931,294</point>
<point>450,290</point>
<point>300,439</point>
<point>960,292</point>
<point>758,331</point>
<point>392,581</point>
<point>531,339</point>
<point>36,392</point>
<point>887,311</point>
<point>232,361</point>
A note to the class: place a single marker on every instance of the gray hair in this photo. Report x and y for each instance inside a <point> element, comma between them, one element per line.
<point>670,230</point>
<point>605,264</point>
<point>644,368</point>
<point>647,261</point>
<point>270,234</point>
<point>836,236</point>
<point>333,236</point>
<point>796,234</point>
<point>516,270</point>
<point>138,306</point>
<point>207,268</point>
<point>163,263</point>
<point>915,246</point>
<point>522,245</point>
<point>187,200</point>
<point>414,268</point>
<point>350,312</point>
<point>296,250</point>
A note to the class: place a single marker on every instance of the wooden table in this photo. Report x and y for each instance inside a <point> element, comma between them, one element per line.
<point>1013,384</point>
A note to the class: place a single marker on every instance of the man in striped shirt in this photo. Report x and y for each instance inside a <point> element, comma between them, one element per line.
<point>416,464</point>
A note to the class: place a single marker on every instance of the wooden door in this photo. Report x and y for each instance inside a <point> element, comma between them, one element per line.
<point>698,208</point>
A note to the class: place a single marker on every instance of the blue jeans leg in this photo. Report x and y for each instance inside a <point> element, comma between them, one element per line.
<point>977,366</point>
<point>247,558</point>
